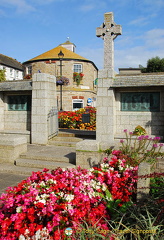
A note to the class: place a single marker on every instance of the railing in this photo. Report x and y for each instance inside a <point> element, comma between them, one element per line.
<point>52,123</point>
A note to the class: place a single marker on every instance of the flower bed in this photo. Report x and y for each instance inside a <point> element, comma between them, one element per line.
<point>73,120</point>
<point>46,203</point>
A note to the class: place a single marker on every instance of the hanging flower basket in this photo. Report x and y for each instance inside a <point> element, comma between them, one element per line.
<point>62,81</point>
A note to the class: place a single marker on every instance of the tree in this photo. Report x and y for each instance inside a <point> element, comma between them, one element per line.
<point>154,65</point>
<point>2,75</point>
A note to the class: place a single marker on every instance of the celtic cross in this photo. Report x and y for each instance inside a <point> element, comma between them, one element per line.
<point>108,31</point>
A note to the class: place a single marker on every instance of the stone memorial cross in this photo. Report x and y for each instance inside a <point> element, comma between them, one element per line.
<point>108,31</point>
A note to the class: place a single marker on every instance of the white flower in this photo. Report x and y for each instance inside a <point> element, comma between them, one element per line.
<point>42,184</point>
<point>69,197</point>
<point>104,187</point>
<point>21,237</point>
<point>51,181</point>
<point>69,206</point>
<point>61,194</point>
<point>19,209</point>
<point>120,168</point>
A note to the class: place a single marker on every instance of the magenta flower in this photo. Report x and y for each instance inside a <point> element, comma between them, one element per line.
<point>155,145</point>
<point>156,138</point>
<point>161,144</point>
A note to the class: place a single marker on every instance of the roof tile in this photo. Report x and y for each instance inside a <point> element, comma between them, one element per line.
<point>53,54</point>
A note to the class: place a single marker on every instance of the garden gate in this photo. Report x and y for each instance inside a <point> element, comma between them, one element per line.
<point>52,122</point>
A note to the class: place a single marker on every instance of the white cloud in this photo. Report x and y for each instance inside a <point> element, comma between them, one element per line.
<point>93,54</point>
<point>2,13</point>
<point>89,5</point>
<point>21,5</point>
<point>129,51</point>
<point>140,21</point>
<point>151,46</point>
<point>154,38</point>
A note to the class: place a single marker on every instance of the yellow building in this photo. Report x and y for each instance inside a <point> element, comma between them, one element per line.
<point>80,72</point>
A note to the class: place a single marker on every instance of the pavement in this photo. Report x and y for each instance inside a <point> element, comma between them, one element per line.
<point>11,175</point>
<point>9,180</point>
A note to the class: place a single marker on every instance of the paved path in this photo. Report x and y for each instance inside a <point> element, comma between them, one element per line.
<point>11,175</point>
<point>8,180</point>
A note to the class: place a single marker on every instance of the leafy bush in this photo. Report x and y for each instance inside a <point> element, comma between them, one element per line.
<point>2,75</point>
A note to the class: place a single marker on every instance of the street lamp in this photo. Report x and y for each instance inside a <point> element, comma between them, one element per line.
<point>61,55</point>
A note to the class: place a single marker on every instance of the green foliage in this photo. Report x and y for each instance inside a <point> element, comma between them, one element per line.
<point>157,187</point>
<point>2,75</point>
<point>108,151</point>
<point>155,64</point>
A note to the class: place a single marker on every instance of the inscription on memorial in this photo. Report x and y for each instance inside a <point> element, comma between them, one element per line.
<point>143,102</point>
<point>19,103</point>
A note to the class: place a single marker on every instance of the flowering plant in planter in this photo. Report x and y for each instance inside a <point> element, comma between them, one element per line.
<point>28,76</point>
<point>73,120</point>
<point>62,80</point>
<point>45,204</point>
<point>77,77</point>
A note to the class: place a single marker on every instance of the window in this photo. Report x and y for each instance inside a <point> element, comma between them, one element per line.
<point>11,72</point>
<point>77,104</point>
<point>29,70</point>
<point>19,103</point>
<point>77,68</point>
<point>140,101</point>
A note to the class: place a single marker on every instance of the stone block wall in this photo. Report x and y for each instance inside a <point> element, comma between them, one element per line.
<point>17,120</point>
<point>153,122</point>
<point>43,100</point>
<point>68,96</point>
<point>1,111</point>
<point>53,68</point>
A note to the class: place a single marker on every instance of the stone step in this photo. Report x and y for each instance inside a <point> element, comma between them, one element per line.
<point>11,168</point>
<point>65,134</point>
<point>40,164</point>
<point>72,157</point>
<point>65,139</point>
<point>64,144</point>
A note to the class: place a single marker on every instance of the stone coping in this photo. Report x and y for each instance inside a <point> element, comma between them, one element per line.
<point>12,140</point>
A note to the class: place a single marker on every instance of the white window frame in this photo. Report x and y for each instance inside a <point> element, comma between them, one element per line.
<point>77,101</point>
<point>11,72</point>
<point>77,67</point>
<point>29,70</point>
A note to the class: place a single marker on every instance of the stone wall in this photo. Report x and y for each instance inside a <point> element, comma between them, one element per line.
<point>144,79</point>
<point>153,122</point>
<point>43,100</point>
<point>1,111</point>
<point>86,88</point>
<point>68,96</point>
<point>53,68</point>
<point>17,120</point>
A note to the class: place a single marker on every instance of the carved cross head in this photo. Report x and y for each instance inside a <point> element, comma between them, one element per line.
<point>109,28</point>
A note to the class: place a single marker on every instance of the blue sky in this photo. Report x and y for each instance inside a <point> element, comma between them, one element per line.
<point>32,27</point>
